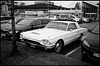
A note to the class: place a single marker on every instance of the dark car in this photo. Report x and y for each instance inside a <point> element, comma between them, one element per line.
<point>85,20</point>
<point>10,22</point>
<point>25,25</point>
<point>90,45</point>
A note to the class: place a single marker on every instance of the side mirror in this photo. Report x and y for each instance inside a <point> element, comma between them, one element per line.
<point>70,29</point>
<point>89,30</point>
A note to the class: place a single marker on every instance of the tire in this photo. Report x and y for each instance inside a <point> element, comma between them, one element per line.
<point>58,47</point>
<point>80,38</point>
<point>27,44</point>
<point>84,57</point>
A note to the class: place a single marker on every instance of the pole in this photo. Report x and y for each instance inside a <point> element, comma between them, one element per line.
<point>14,46</point>
<point>48,9</point>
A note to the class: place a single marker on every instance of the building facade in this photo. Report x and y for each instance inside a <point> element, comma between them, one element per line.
<point>6,7</point>
<point>98,12</point>
<point>39,8</point>
<point>89,10</point>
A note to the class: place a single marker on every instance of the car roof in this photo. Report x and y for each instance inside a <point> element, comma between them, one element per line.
<point>37,18</point>
<point>64,14</point>
<point>64,21</point>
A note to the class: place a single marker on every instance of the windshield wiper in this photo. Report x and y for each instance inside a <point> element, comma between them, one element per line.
<point>53,27</point>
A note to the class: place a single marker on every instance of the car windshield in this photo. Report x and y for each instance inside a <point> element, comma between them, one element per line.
<point>16,20</point>
<point>10,21</point>
<point>26,21</point>
<point>96,30</point>
<point>57,25</point>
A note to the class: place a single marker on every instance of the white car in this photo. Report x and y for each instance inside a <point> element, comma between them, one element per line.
<point>86,20</point>
<point>55,34</point>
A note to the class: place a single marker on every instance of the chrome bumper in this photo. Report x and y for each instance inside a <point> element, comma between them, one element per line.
<point>33,44</point>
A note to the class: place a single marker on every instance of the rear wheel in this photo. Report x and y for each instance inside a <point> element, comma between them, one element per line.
<point>58,47</point>
<point>84,57</point>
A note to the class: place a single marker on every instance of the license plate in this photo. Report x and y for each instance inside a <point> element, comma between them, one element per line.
<point>96,55</point>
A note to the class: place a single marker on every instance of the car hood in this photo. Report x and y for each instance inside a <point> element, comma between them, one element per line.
<point>44,33</point>
<point>17,27</point>
<point>93,40</point>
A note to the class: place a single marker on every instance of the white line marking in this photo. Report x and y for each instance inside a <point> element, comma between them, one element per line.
<point>72,51</point>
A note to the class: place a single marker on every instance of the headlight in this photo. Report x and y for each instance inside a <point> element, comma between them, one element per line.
<point>86,43</point>
<point>45,42</point>
<point>11,32</point>
<point>16,31</point>
<point>21,36</point>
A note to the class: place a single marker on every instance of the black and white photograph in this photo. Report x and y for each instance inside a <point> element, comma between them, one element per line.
<point>47,32</point>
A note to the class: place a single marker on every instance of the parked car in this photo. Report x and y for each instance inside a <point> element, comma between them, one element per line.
<point>70,17</point>
<point>85,20</point>
<point>4,21</point>
<point>54,35</point>
<point>25,25</point>
<point>90,47</point>
<point>10,22</point>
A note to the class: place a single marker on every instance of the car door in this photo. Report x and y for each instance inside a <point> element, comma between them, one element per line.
<point>72,32</point>
<point>36,24</point>
<point>44,22</point>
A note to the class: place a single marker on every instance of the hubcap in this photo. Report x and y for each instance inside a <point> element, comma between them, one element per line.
<point>58,47</point>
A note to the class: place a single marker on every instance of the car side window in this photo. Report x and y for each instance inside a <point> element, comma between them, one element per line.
<point>72,26</point>
<point>71,16</point>
<point>45,21</point>
<point>36,22</point>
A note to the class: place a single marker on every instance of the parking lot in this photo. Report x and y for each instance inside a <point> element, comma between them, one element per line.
<point>72,50</point>
<point>50,33</point>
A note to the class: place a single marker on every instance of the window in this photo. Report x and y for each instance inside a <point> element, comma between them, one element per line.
<point>45,21</point>
<point>36,22</point>
<point>72,16</point>
<point>26,21</point>
<point>57,25</point>
<point>72,26</point>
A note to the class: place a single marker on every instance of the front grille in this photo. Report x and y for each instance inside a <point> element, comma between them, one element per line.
<point>30,41</point>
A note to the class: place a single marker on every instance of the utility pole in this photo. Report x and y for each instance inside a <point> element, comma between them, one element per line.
<point>48,8</point>
<point>14,46</point>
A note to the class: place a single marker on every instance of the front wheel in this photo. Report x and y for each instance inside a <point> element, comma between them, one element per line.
<point>80,38</point>
<point>58,47</point>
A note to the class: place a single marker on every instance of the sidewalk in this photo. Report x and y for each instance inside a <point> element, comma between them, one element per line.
<point>31,56</point>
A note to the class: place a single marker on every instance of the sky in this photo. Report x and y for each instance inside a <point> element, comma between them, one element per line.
<point>59,3</point>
